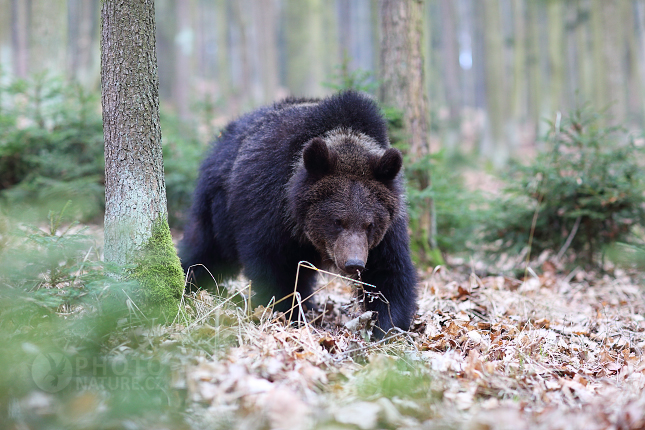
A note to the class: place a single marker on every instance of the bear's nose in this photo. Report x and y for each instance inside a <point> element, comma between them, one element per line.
<point>354,265</point>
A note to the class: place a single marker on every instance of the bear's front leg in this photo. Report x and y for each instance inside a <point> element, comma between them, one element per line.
<point>272,271</point>
<point>390,270</point>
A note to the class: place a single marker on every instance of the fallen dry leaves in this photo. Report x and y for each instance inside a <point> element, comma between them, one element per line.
<point>552,351</point>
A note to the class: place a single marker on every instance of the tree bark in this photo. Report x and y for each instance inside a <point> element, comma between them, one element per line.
<point>136,225</point>
<point>134,183</point>
<point>402,69</point>
<point>403,87</point>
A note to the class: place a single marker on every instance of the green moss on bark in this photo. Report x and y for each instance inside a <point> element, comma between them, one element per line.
<point>159,273</point>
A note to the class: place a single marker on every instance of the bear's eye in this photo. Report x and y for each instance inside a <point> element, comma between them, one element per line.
<point>338,223</point>
<point>369,227</point>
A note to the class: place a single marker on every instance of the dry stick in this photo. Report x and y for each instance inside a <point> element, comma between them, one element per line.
<point>308,265</point>
<point>566,245</point>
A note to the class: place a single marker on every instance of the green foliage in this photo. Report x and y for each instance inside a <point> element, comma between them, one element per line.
<point>453,203</point>
<point>56,301</point>
<point>53,265</point>
<point>159,273</point>
<point>51,152</point>
<point>455,206</point>
<point>182,153</point>
<point>587,186</point>
<point>346,79</point>
<point>51,147</point>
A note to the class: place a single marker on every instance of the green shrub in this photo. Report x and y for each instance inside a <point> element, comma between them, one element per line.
<point>345,79</point>
<point>51,148</point>
<point>454,204</point>
<point>587,185</point>
<point>182,154</point>
<point>51,152</point>
<point>57,302</point>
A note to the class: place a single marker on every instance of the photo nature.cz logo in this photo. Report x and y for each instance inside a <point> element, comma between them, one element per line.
<point>53,372</point>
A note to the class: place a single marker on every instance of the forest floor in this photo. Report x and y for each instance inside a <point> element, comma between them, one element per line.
<point>556,350</point>
<point>553,351</point>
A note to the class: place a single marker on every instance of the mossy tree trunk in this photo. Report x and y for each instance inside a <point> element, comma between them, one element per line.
<point>136,227</point>
<point>403,87</point>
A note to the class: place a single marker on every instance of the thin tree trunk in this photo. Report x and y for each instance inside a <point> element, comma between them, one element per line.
<point>403,87</point>
<point>496,149</point>
<point>48,36</point>
<point>184,53</point>
<point>599,66</point>
<point>584,57</point>
<point>614,58</point>
<point>305,46</point>
<point>82,41</point>
<point>555,15</point>
<point>136,225</point>
<point>266,18</point>
<point>533,64</point>
<point>450,53</point>
<point>134,183</point>
<point>635,85</point>
<point>640,55</point>
<point>519,96</point>
<point>223,53</point>
<point>20,19</point>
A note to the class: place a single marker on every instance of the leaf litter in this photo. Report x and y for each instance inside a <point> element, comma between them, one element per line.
<point>550,351</point>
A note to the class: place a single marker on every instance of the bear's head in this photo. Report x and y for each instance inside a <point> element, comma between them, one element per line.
<point>344,196</point>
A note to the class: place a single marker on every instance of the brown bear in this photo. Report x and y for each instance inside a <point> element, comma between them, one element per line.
<point>312,180</point>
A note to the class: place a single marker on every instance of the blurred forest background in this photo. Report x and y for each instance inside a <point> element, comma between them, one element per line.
<point>557,85</point>
<point>494,69</point>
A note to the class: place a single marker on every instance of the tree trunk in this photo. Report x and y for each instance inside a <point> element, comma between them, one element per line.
<point>403,87</point>
<point>450,53</point>
<point>266,17</point>
<point>614,60</point>
<point>82,40</point>
<point>599,67</point>
<point>48,36</point>
<point>496,147</point>
<point>184,49</point>
<point>305,46</point>
<point>20,18</point>
<point>534,68</point>
<point>136,226</point>
<point>555,15</point>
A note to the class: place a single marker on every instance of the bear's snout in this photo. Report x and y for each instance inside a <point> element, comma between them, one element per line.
<point>350,252</point>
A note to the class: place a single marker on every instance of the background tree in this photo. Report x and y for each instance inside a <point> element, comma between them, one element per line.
<point>402,75</point>
<point>136,226</point>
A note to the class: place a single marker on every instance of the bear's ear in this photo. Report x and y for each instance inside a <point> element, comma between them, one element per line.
<point>318,160</point>
<point>389,165</point>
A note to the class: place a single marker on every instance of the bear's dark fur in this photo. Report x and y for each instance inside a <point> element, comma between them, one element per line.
<point>312,180</point>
